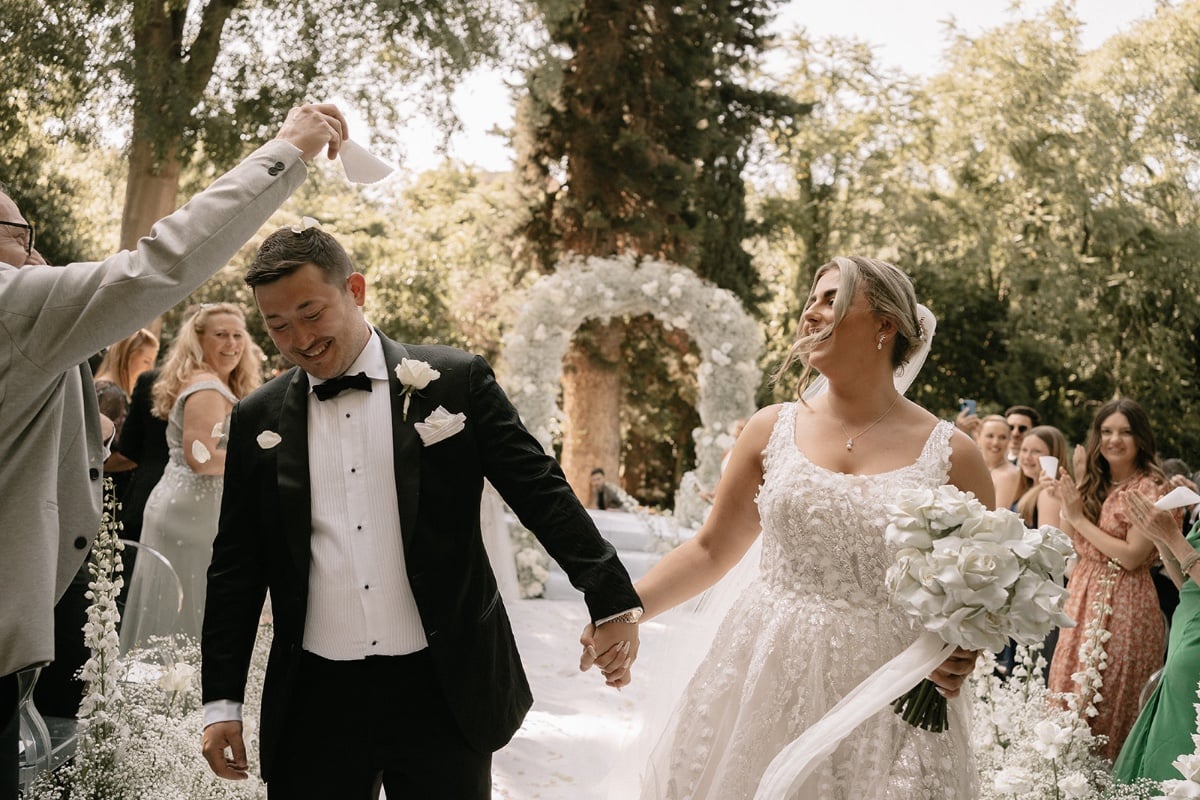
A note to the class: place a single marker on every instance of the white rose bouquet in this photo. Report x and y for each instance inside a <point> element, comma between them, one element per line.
<point>974,577</point>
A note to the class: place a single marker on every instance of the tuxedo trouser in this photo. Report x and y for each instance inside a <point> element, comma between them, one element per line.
<point>354,725</point>
<point>10,733</point>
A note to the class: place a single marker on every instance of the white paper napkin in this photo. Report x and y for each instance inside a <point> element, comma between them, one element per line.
<point>1049,465</point>
<point>1178,497</point>
<point>360,165</point>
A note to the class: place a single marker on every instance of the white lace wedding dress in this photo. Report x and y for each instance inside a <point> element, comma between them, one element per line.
<point>812,625</point>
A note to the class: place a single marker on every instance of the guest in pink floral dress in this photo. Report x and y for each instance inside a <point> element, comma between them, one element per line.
<point>1120,460</point>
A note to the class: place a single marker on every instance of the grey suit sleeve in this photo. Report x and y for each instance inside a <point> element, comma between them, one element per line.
<point>59,316</point>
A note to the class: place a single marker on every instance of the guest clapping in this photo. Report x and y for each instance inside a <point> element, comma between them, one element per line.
<point>211,366</point>
<point>1163,730</point>
<point>1121,462</point>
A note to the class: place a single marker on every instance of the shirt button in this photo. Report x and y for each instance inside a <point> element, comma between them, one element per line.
<point>368,586</point>
<point>359,527</point>
<point>275,168</point>
<point>353,469</point>
<point>80,542</point>
<point>374,643</point>
<point>94,474</point>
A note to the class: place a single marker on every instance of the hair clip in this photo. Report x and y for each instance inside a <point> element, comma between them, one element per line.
<point>305,224</point>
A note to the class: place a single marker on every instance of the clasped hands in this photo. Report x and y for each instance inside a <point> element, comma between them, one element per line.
<point>612,648</point>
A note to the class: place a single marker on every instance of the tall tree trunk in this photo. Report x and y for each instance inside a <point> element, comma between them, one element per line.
<point>151,191</point>
<point>592,405</point>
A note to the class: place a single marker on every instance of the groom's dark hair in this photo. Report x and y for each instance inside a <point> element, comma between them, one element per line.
<point>287,250</point>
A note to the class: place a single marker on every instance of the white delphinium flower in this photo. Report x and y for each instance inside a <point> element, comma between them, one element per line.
<point>100,712</point>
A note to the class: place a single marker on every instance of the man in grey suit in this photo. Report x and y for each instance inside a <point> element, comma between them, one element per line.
<point>51,320</point>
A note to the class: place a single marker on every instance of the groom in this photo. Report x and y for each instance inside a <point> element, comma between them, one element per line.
<point>352,488</point>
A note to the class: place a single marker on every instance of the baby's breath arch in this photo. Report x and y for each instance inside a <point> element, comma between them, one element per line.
<point>727,338</point>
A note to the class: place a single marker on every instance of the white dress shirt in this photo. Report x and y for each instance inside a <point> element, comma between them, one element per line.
<point>360,602</point>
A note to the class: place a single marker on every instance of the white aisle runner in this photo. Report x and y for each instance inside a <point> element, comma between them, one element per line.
<point>568,745</point>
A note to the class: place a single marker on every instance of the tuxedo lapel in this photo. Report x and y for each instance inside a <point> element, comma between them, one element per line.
<point>406,445</point>
<point>295,498</point>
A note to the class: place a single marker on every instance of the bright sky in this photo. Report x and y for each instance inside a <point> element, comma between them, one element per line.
<point>907,34</point>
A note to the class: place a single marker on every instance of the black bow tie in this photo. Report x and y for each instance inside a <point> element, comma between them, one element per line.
<point>335,386</point>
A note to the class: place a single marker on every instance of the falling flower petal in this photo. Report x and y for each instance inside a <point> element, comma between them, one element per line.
<point>200,452</point>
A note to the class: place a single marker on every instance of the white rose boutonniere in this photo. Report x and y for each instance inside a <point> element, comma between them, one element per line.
<point>268,439</point>
<point>440,425</point>
<point>414,375</point>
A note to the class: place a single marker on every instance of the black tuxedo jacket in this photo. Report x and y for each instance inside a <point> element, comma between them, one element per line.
<point>265,525</point>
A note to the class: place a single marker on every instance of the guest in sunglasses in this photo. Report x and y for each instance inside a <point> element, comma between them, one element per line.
<point>1020,419</point>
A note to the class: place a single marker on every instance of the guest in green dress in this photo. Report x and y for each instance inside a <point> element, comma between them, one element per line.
<point>1163,730</point>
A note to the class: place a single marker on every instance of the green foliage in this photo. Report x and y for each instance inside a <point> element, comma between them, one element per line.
<point>659,414</point>
<point>437,261</point>
<point>637,128</point>
<point>1043,199</point>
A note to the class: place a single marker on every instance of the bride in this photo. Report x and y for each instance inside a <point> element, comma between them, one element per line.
<point>814,477</point>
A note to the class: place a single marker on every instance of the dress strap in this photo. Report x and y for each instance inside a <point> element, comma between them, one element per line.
<point>782,436</point>
<point>935,456</point>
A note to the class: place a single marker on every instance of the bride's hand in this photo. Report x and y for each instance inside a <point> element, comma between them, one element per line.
<point>950,676</point>
<point>612,649</point>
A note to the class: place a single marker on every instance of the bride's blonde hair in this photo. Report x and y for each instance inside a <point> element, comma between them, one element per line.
<point>889,293</point>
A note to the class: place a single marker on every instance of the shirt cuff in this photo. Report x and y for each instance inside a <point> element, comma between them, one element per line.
<point>636,611</point>
<point>222,711</point>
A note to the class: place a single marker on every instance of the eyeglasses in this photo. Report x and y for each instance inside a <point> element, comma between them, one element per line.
<point>27,234</point>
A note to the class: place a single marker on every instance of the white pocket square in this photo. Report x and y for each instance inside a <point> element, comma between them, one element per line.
<point>439,425</point>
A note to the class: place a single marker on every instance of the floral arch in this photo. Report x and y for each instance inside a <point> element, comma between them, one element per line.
<point>728,339</point>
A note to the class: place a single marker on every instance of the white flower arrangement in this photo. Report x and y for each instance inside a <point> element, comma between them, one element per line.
<point>140,721</point>
<point>532,562</point>
<point>974,577</point>
<point>1020,728</point>
<point>727,337</point>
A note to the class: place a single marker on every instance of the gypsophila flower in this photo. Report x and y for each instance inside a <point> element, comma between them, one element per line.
<point>139,722</point>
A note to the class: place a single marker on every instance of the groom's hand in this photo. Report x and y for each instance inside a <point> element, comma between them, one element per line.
<point>217,738</point>
<point>613,647</point>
